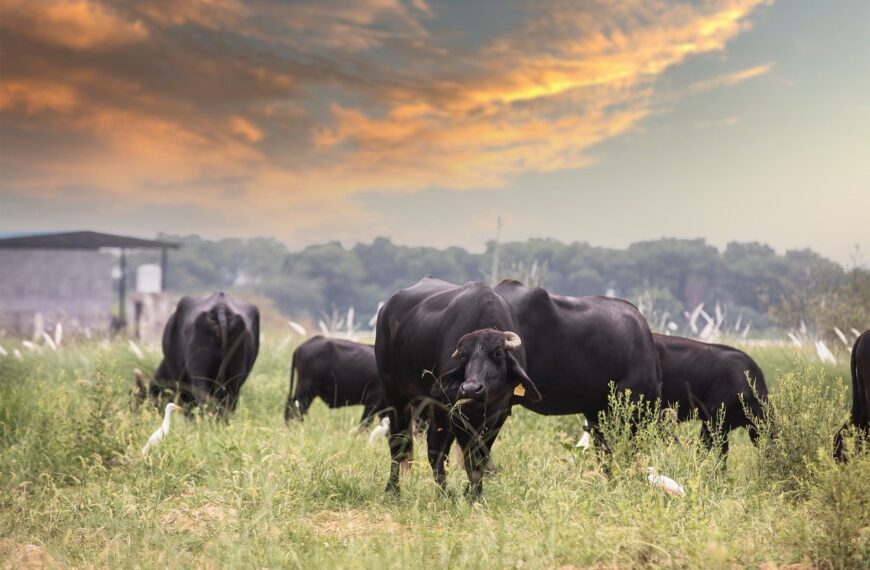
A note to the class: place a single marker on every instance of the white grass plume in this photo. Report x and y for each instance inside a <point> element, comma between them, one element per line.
<point>842,337</point>
<point>49,341</point>
<point>825,354</point>
<point>297,328</point>
<point>58,333</point>
<point>136,350</point>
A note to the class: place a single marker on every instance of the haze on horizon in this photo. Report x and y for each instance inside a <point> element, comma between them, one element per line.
<point>425,120</point>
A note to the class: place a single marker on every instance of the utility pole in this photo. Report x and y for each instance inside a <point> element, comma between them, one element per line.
<point>495,254</point>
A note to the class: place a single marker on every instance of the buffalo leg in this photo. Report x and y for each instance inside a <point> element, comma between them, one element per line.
<point>401,444</point>
<point>160,379</point>
<point>300,399</point>
<point>201,383</point>
<point>709,440</point>
<point>600,440</point>
<point>302,404</point>
<point>371,407</point>
<point>439,439</point>
<point>231,385</point>
<point>475,455</point>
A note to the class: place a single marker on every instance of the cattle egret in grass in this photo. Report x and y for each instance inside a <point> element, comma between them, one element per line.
<point>382,430</point>
<point>163,430</point>
<point>670,486</point>
<point>58,334</point>
<point>17,354</point>
<point>28,345</point>
<point>299,329</point>
<point>585,439</point>
<point>3,351</point>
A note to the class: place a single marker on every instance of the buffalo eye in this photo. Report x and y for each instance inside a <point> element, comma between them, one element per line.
<point>498,353</point>
<point>463,356</point>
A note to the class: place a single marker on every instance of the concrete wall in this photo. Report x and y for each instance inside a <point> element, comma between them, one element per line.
<point>71,285</point>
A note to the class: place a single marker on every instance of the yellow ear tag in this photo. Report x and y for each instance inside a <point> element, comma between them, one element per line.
<point>520,390</point>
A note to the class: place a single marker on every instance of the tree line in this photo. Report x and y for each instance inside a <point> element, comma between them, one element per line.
<point>670,276</point>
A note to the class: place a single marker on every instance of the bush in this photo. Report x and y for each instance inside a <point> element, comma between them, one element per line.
<point>801,417</point>
<point>840,505</point>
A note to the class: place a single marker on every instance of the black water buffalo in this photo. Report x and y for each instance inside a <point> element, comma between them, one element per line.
<point>454,349</point>
<point>209,347</point>
<point>859,415</point>
<point>577,347</point>
<point>339,372</point>
<point>712,379</point>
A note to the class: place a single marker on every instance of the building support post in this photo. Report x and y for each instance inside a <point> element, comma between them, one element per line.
<point>122,293</point>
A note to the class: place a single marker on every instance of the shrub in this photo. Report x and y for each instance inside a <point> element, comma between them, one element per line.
<point>801,417</point>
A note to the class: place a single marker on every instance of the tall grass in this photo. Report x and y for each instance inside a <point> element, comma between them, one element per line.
<point>253,493</point>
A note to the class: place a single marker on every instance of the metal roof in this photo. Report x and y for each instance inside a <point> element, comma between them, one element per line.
<point>80,240</point>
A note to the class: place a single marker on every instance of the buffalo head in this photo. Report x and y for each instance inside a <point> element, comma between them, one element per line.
<point>488,369</point>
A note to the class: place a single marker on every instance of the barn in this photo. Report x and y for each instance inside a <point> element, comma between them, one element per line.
<point>67,277</point>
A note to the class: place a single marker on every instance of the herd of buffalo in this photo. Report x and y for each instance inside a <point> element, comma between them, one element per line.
<point>461,356</point>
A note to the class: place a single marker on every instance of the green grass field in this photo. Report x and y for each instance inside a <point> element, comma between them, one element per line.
<point>252,493</point>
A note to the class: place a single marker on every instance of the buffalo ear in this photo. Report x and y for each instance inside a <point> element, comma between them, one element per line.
<point>518,375</point>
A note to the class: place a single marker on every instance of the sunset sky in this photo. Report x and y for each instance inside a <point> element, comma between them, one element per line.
<point>598,120</point>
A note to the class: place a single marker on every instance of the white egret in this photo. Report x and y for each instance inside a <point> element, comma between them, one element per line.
<point>670,486</point>
<point>163,430</point>
<point>382,430</point>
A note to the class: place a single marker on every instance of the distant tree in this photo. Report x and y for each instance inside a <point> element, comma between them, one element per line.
<point>748,279</point>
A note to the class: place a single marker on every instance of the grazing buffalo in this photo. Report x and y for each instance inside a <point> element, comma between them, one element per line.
<point>340,372</point>
<point>452,348</point>
<point>577,347</point>
<point>713,379</point>
<point>859,416</point>
<point>209,347</point>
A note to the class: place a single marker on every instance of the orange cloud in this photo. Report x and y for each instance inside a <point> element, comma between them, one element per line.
<point>537,100</point>
<point>730,79</point>
<point>34,98</point>
<point>74,24</point>
<point>289,106</point>
<point>246,129</point>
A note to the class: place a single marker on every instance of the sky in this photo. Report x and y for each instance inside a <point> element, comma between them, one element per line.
<point>425,121</point>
